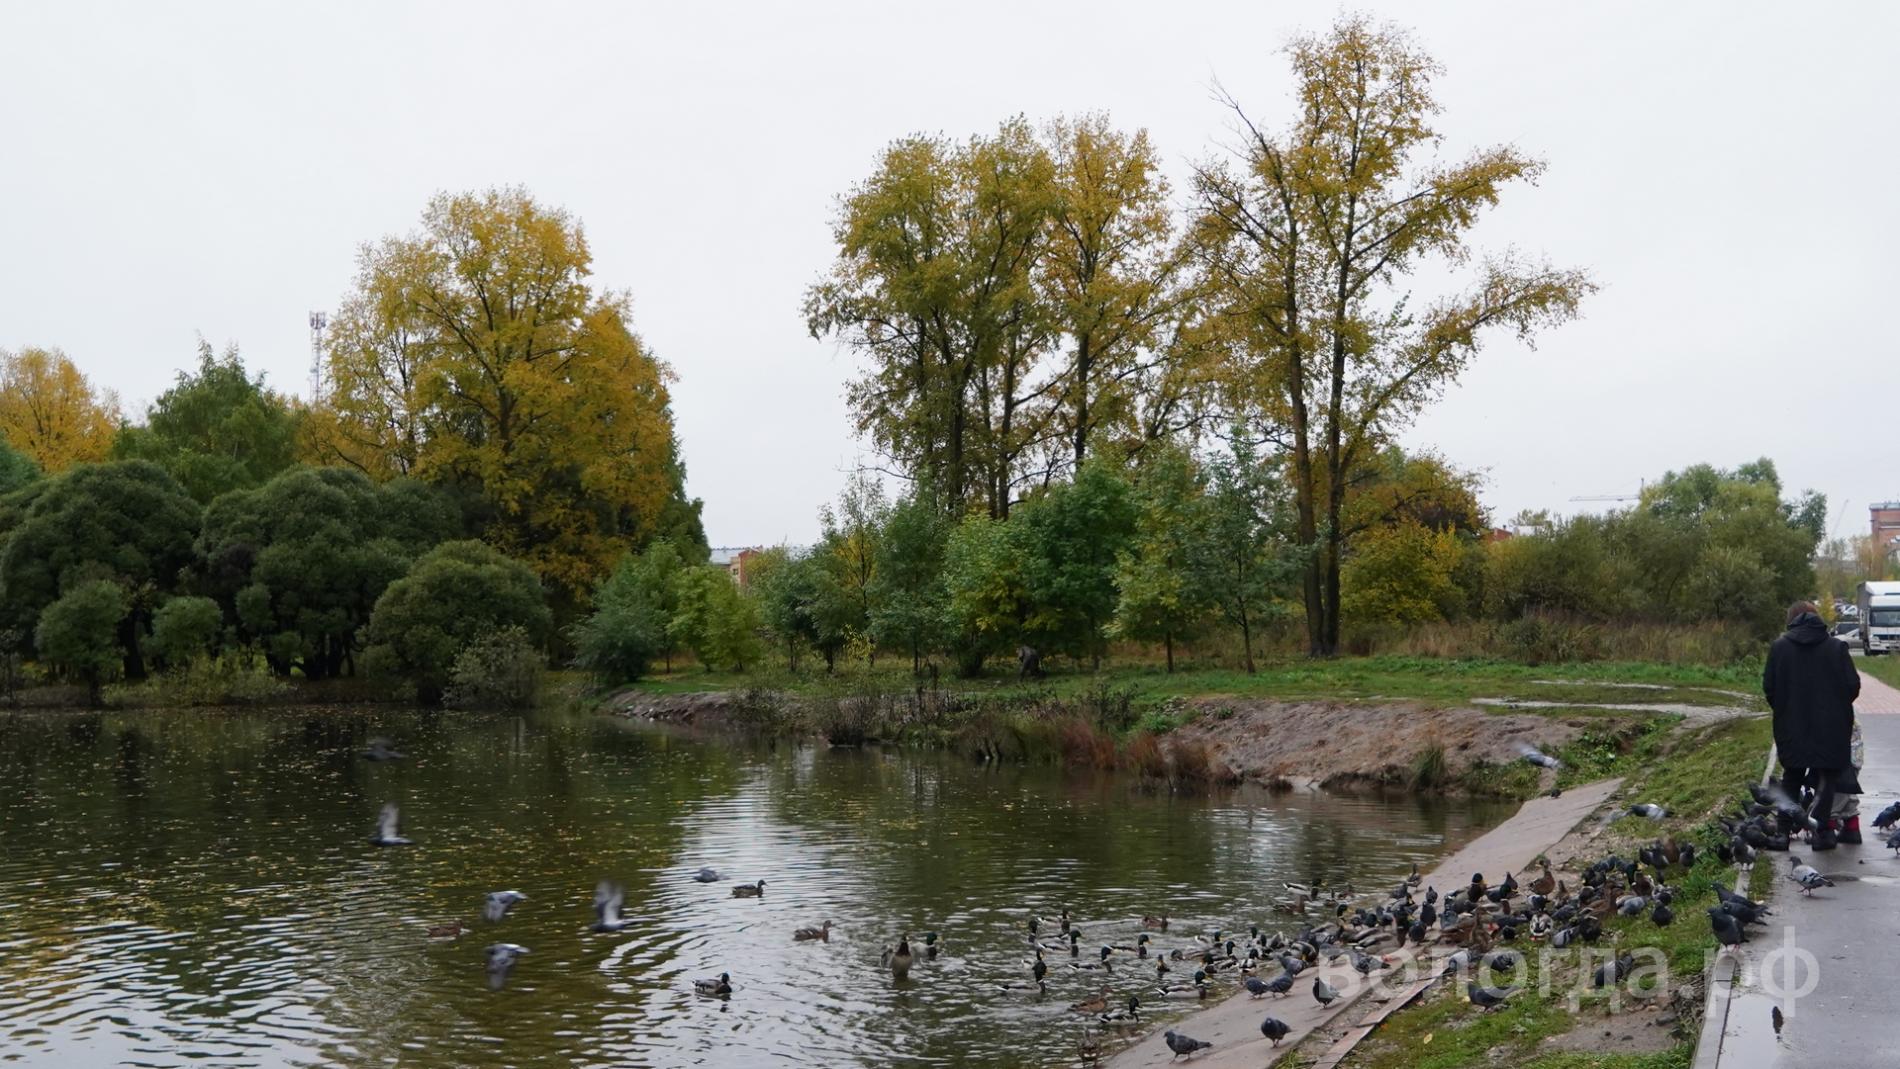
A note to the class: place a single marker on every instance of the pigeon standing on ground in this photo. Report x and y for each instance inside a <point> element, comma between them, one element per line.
<point>1324,992</point>
<point>1648,809</point>
<point>1888,816</point>
<point>608,898</point>
<point>1485,997</point>
<point>1183,1046</point>
<point>1728,930</point>
<point>1275,1029</point>
<point>388,832</point>
<point>498,903</point>
<point>1805,875</point>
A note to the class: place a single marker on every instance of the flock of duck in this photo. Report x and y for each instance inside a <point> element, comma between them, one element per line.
<point>1477,920</point>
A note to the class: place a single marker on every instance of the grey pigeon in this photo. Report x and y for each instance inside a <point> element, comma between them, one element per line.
<point>380,749</point>
<point>1538,757</point>
<point>1728,931</point>
<point>388,833</point>
<point>1486,997</point>
<point>501,958</point>
<point>498,903</point>
<point>1324,992</point>
<point>1275,1029</point>
<point>1256,986</point>
<point>1280,984</point>
<point>1805,875</point>
<point>708,876</point>
<point>1184,1045</point>
<point>1648,809</point>
<point>608,898</point>
<point>1631,905</point>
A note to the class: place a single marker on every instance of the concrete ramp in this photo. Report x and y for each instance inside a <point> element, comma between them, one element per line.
<point>1233,1026</point>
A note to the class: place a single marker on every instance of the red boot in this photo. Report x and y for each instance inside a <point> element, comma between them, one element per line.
<point>1850,832</point>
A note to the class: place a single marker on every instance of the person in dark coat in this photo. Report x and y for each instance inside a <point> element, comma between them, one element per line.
<point>1811,684</point>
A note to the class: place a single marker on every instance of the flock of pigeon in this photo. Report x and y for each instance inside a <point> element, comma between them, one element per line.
<point>609,898</point>
<point>1476,919</point>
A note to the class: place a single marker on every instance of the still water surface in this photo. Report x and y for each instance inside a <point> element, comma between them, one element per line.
<point>196,889</point>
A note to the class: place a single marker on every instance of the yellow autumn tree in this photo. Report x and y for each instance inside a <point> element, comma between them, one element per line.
<point>474,353</point>
<point>51,413</point>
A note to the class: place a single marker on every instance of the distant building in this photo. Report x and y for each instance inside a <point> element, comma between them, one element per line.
<point>734,560</point>
<point>1884,519</point>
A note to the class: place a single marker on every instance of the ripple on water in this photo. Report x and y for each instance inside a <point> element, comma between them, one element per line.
<point>197,891</point>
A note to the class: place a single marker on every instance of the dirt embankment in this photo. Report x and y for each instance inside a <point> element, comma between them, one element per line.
<point>1337,745</point>
<point>1306,744</point>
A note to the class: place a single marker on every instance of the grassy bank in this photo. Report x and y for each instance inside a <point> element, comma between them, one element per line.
<point>1426,680</point>
<point>1694,774</point>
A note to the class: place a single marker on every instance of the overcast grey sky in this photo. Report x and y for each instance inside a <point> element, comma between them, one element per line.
<point>1724,170</point>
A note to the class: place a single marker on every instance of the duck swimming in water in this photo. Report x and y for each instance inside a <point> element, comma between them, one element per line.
<point>901,959</point>
<point>822,932</point>
<point>718,987</point>
<point>748,890</point>
<point>707,876</point>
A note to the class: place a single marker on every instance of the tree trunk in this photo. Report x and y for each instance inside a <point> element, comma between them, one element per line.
<point>1169,641</point>
<point>1246,639</point>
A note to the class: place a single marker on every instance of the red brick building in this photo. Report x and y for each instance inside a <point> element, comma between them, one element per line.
<point>1884,519</point>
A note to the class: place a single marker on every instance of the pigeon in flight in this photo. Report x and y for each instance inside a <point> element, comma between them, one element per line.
<point>1538,757</point>
<point>498,903</point>
<point>501,958</point>
<point>388,833</point>
<point>608,898</point>
<point>381,749</point>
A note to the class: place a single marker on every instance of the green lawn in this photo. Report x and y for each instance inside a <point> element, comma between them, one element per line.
<point>1429,681</point>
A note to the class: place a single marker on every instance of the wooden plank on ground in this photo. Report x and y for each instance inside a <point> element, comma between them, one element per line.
<point>1336,1053</point>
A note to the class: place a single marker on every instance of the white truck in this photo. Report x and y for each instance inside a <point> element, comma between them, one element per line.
<point>1879,617</point>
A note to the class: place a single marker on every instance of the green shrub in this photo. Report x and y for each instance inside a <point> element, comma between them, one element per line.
<point>186,629</point>
<point>498,670</point>
<point>222,679</point>
<point>453,594</point>
<point>79,633</point>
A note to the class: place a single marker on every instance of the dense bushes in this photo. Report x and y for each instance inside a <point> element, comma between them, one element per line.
<point>498,670</point>
<point>454,593</point>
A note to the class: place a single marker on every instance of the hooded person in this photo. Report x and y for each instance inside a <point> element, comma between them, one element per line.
<point>1811,683</point>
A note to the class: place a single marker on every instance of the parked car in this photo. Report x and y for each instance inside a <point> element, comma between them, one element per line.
<point>1848,631</point>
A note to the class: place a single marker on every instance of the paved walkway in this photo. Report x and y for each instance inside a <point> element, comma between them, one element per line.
<point>1234,1025</point>
<point>1851,970</point>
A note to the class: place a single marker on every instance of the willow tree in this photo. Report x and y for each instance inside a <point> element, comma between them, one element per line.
<point>1310,236</point>
<point>475,353</point>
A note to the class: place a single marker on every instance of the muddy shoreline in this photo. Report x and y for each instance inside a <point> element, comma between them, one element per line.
<point>1301,745</point>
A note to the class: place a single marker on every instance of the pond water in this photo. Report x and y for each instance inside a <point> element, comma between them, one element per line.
<point>196,888</point>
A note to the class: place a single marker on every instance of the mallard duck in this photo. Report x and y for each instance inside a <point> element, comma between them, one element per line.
<point>717,988</point>
<point>900,960</point>
<point>748,890</point>
<point>1089,1049</point>
<point>1196,989</point>
<point>1157,922</point>
<point>450,930</point>
<point>822,932</point>
<point>1124,1017</point>
<point>1095,1004</point>
<point>1414,879</point>
<point>1545,884</point>
<point>930,945</point>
